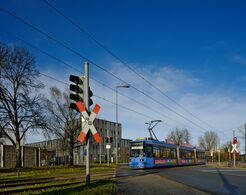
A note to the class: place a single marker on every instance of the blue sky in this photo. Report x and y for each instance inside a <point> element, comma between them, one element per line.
<point>195,51</point>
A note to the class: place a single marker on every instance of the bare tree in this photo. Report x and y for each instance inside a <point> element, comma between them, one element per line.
<point>63,122</point>
<point>20,104</point>
<point>180,136</point>
<point>209,141</point>
<point>226,147</point>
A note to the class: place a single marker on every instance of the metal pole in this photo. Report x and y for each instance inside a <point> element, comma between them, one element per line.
<point>86,88</point>
<point>116,128</point>
<point>107,149</point>
<point>219,156</point>
<point>234,155</point>
<point>219,153</point>
<point>229,155</point>
<point>245,144</point>
<point>100,151</point>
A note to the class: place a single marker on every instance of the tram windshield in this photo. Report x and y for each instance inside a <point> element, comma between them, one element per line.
<point>137,149</point>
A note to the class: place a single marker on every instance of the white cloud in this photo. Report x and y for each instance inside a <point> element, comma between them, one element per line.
<point>240,59</point>
<point>222,112</point>
<point>243,78</point>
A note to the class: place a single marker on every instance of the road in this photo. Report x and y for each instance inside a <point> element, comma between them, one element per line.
<point>184,180</point>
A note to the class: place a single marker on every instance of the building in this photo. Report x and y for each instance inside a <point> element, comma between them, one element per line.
<point>124,151</point>
<point>30,156</point>
<point>53,151</point>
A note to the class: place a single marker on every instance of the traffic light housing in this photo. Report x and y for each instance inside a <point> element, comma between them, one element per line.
<point>235,140</point>
<point>77,89</point>
<point>90,95</point>
<point>108,139</point>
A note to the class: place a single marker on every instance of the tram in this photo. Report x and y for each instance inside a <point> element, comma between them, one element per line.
<point>150,153</point>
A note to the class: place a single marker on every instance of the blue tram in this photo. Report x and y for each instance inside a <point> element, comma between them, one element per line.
<point>153,153</point>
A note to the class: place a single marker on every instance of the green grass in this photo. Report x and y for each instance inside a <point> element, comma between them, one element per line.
<point>98,187</point>
<point>48,171</point>
<point>104,186</point>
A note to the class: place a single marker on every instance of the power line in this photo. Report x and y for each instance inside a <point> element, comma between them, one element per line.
<point>101,68</point>
<point>71,67</point>
<point>138,102</point>
<point>61,44</point>
<point>40,50</point>
<point>122,61</point>
<point>50,77</point>
<point>105,99</point>
<point>147,116</point>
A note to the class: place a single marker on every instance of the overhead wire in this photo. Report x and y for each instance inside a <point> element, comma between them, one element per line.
<point>107,100</point>
<point>92,78</point>
<point>82,30</point>
<point>101,68</point>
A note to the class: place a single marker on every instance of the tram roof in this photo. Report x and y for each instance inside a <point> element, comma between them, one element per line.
<point>157,142</point>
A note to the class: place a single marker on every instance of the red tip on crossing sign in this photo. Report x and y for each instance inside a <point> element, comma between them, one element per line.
<point>80,106</point>
<point>97,137</point>
<point>96,109</point>
<point>81,137</point>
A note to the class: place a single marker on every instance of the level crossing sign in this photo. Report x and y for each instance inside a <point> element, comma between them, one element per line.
<point>88,122</point>
<point>234,148</point>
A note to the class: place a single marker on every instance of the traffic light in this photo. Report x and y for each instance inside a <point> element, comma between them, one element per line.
<point>235,140</point>
<point>77,90</point>
<point>107,139</point>
<point>90,95</point>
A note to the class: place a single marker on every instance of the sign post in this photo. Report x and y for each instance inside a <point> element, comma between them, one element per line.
<point>108,146</point>
<point>85,133</point>
<point>84,109</point>
<point>234,144</point>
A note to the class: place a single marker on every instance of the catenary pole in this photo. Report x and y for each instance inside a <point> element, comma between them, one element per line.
<point>107,149</point>
<point>234,152</point>
<point>116,128</point>
<point>245,143</point>
<point>86,88</point>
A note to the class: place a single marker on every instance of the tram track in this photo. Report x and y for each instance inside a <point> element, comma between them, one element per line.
<point>15,185</point>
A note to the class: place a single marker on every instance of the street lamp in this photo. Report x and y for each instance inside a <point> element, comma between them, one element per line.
<point>116,129</point>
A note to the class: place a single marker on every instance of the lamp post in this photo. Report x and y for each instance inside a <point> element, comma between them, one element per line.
<point>116,129</point>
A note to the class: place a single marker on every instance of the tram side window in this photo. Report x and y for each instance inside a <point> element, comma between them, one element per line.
<point>173,153</point>
<point>149,152</point>
<point>156,152</point>
<point>164,152</point>
<point>186,154</point>
<point>200,155</point>
<point>170,153</point>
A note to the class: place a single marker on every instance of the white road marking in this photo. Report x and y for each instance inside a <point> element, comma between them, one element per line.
<point>226,172</point>
<point>230,170</point>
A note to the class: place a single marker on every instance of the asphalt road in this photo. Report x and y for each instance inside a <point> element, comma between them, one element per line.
<point>185,180</point>
<point>212,180</point>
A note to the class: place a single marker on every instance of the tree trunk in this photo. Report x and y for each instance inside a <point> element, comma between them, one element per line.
<point>71,153</point>
<point>18,154</point>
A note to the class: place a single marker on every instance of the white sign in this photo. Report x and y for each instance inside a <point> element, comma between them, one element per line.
<point>108,146</point>
<point>88,122</point>
<point>234,148</point>
<point>137,147</point>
